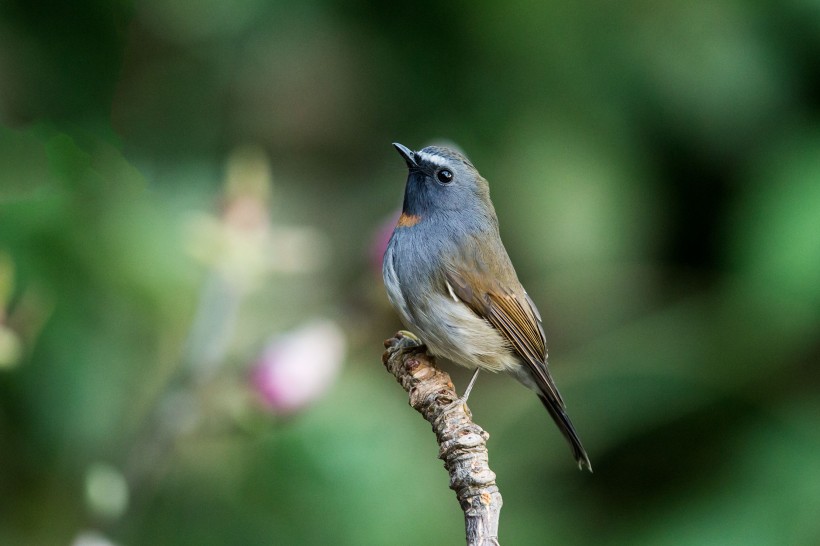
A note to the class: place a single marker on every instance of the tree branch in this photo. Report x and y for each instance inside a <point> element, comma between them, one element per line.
<point>462,443</point>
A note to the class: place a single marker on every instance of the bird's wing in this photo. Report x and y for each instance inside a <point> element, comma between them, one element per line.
<point>511,314</point>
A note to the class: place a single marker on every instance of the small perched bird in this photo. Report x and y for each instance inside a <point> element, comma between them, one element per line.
<point>450,279</point>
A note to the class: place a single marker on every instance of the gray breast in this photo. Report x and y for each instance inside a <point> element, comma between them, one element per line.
<point>391,283</point>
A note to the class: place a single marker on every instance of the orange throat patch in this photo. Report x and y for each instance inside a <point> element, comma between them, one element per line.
<point>408,220</point>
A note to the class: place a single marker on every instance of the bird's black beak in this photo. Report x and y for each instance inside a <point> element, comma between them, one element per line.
<point>408,155</point>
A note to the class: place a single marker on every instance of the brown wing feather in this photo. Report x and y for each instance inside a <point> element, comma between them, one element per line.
<point>516,320</point>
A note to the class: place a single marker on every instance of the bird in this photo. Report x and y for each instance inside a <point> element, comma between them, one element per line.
<point>450,279</point>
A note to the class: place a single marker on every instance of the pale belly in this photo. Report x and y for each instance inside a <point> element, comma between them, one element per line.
<point>452,330</point>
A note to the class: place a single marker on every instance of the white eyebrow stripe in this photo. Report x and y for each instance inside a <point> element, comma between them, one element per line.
<point>430,158</point>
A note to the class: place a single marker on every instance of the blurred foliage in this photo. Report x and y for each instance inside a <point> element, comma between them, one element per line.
<point>181,182</point>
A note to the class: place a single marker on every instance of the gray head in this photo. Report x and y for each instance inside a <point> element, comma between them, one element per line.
<point>443,180</point>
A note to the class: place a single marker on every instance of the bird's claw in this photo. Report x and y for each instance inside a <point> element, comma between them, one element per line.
<point>460,401</point>
<point>408,341</point>
<point>407,334</point>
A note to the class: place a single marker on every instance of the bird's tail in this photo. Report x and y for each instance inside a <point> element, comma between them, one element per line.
<point>556,409</point>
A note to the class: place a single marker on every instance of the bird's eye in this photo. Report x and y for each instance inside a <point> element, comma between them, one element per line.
<point>444,176</point>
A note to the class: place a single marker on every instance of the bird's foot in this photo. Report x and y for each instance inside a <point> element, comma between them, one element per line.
<point>408,341</point>
<point>409,336</point>
<point>462,400</point>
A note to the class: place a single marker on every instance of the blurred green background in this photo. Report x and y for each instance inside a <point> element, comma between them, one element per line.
<point>187,186</point>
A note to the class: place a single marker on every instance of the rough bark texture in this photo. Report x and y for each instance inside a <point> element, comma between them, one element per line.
<point>462,443</point>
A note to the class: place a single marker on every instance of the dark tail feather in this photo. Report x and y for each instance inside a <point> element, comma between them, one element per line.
<point>565,425</point>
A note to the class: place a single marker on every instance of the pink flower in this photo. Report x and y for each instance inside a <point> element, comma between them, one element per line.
<point>299,367</point>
